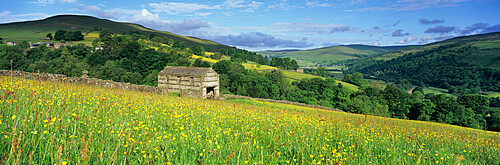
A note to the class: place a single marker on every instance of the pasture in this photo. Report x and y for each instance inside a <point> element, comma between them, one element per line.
<point>59,123</point>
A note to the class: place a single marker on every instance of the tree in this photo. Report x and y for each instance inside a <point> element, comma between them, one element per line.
<point>49,35</point>
<point>321,71</point>
<point>404,84</point>
<point>365,105</point>
<point>494,121</point>
<point>478,105</point>
<point>397,100</point>
<point>206,64</point>
<point>356,79</point>
<point>60,35</point>
<point>170,41</point>
<point>476,102</point>
<point>74,36</point>
<point>216,56</point>
<point>422,110</point>
<point>105,36</point>
<point>197,62</point>
<point>280,79</point>
<point>198,50</point>
<point>19,60</point>
<point>179,45</point>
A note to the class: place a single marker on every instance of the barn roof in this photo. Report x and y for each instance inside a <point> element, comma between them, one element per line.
<point>184,71</point>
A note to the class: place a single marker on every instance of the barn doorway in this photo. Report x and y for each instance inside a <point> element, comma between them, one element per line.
<point>210,93</point>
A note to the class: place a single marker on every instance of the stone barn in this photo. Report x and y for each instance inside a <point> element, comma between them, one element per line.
<point>190,81</point>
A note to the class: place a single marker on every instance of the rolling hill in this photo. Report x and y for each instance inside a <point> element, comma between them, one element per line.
<point>34,30</point>
<point>487,53</point>
<point>331,55</point>
<point>463,65</point>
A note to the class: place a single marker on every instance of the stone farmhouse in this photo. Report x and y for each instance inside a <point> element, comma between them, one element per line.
<point>190,81</point>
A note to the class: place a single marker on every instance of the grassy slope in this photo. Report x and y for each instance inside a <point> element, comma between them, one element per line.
<point>34,30</point>
<point>327,54</point>
<point>488,54</point>
<point>51,123</point>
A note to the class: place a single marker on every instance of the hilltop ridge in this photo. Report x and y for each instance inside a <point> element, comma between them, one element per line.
<point>32,30</point>
<point>331,55</point>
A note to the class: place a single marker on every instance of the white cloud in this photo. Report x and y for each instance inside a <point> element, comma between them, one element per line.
<point>110,14</point>
<point>50,2</point>
<point>315,28</point>
<point>408,40</point>
<point>405,5</point>
<point>43,2</point>
<point>369,9</point>
<point>69,1</point>
<point>35,15</point>
<point>231,4</point>
<point>318,4</point>
<point>202,14</point>
<point>177,8</point>
<point>258,40</point>
<point>282,5</point>
<point>5,14</point>
<point>91,9</point>
<point>185,27</point>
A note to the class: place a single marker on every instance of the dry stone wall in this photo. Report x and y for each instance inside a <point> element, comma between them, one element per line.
<point>134,87</point>
<point>88,81</point>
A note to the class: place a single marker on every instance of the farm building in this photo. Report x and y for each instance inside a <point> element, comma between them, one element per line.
<point>58,45</point>
<point>47,44</point>
<point>190,81</point>
<point>12,43</point>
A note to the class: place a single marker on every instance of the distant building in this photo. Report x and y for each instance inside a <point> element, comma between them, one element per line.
<point>73,27</point>
<point>300,70</point>
<point>190,81</point>
<point>48,44</point>
<point>99,48</point>
<point>45,38</point>
<point>12,43</point>
<point>58,45</point>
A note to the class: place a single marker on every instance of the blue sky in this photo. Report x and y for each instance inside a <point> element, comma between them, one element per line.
<point>285,24</point>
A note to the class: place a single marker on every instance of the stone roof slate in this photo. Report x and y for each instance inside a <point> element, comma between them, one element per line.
<point>184,71</point>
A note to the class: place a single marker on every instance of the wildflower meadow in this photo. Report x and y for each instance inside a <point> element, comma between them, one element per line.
<point>43,122</point>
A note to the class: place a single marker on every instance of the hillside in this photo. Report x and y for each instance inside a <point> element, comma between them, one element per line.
<point>462,65</point>
<point>63,123</point>
<point>330,55</point>
<point>487,54</point>
<point>34,30</point>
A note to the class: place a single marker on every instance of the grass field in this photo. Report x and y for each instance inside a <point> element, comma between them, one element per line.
<point>294,76</point>
<point>204,59</point>
<point>57,123</point>
<point>494,94</point>
<point>438,91</point>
